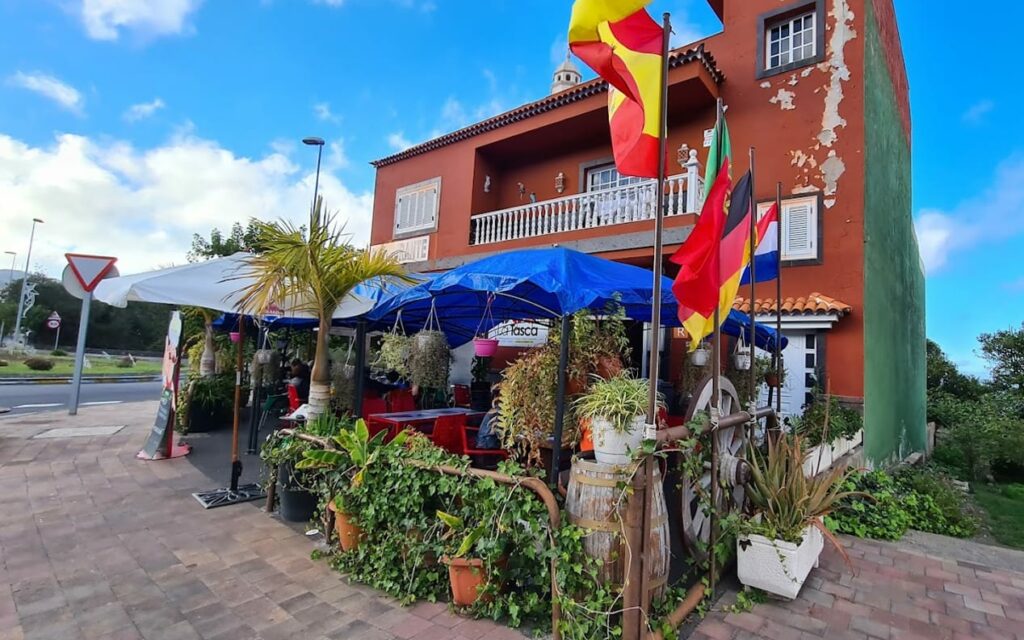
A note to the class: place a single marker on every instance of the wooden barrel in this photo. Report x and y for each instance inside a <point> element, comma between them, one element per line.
<point>596,503</point>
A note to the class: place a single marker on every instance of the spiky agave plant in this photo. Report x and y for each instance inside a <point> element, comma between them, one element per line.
<point>788,500</point>
<point>311,270</point>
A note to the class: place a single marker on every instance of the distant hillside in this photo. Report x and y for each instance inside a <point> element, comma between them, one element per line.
<point>6,275</point>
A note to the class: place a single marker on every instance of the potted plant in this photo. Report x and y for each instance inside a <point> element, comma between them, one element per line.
<point>699,356</point>
<point>480,387</point>
<point>741,358</point>
<point>296,502</point>
<point>210,400</point>
<point>777,548</point>
<point>771,373</point>
<point>394,354</point>
<point>467,575</point>
<point>484,347</point>
<point>617,409</point>
<point>429,360</point>
<point>349,533</point>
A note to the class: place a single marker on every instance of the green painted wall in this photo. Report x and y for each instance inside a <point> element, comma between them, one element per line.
<point>894,328</point>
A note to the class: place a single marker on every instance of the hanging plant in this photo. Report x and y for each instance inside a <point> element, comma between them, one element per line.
<point>395,349</point>
<point>483,346</point>
<point>430,356</point>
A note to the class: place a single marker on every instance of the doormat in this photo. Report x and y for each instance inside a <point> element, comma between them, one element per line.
<point>79,432</point>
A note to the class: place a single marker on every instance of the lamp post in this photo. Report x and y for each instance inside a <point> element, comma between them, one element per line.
<point>24,281</point>
<point>319,144</point>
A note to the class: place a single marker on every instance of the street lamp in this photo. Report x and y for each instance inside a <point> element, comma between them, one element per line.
<point>24,281</point>
<point>319,144</point>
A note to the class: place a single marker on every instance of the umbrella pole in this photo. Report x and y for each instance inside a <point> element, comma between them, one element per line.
<point>236,463</point>
<point>563,373</point>
<point>357,401</point>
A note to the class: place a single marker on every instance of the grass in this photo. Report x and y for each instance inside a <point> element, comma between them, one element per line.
<point>64,366</point>
<point>1004,504</point>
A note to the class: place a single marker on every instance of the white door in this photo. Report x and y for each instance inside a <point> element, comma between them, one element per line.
<point>800,358</point>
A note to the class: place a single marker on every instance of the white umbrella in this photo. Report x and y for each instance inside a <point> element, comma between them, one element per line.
<point>214,284</point>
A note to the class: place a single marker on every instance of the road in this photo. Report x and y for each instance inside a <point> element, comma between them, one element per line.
<point>30,398</point>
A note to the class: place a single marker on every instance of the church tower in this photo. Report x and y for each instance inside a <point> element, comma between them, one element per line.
<point>566,76</point>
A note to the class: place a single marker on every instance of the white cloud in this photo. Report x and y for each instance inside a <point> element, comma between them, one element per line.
<point>105,19</point>
<point>50,87</point>
<point>143,110</point>
<point>993,215</point>
<point>398,141</point>
<point>143,205</point>
<point>975,114</point>
<point>424,6</point>
<point>322,110</point>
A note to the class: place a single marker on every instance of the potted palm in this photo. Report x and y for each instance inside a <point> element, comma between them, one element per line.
<point>777,548</point>
<point>617,409</point>
<point>467,574</point>
<point>315,269</point>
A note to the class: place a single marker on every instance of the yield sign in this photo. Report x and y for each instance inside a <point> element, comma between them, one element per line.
<point>89,270</point>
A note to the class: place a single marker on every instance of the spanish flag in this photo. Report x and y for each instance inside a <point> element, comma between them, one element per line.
<point>620,41</point>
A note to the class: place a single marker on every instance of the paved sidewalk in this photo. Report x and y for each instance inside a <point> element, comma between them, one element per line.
<point>97,545</point>
<point>897,591</point>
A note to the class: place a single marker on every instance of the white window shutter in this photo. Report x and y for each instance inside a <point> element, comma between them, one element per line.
<point>799,230</point>
<point>416,206</point>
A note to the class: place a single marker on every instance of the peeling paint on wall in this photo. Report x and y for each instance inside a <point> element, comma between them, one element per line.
<point>831,170</point>
<point>800,159</point>
<point>784,99</point>
<point>766,85</point>
<point>842,33</point>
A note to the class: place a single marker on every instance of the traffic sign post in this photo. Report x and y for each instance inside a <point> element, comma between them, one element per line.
<point>53,322</point>
<point>80,277</point>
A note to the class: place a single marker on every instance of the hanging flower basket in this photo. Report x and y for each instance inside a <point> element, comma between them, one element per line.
<point>700,357</point>
<point>741,359</point>
<point>485,347</point>
<point>235,336</point>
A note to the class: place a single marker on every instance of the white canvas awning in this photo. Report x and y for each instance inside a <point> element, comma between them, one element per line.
<point>213,284</point>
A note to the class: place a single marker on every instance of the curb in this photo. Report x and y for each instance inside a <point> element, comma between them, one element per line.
<point>85,379</point>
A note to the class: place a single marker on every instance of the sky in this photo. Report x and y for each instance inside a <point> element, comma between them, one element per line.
<point>129,125</point>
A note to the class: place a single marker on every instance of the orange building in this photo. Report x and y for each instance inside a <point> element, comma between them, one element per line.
<point>819,89</point>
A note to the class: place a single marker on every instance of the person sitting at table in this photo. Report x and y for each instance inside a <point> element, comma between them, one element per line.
<point>486,438</point>
<point>299,378</point>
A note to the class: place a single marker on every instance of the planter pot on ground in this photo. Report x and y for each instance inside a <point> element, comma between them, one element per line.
<point>202,419</point>
<point>608,367</point>
<point>349,533</point>
<point>467,577</point>
<point>613,447</point>
<point>296,503</point>
<point>776,566</point>
<point>818,459</point>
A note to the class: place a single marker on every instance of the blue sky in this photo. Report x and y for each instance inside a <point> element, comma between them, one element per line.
<point>130,124</point>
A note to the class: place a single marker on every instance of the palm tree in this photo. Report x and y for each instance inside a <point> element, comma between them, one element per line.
<point>311,270</point>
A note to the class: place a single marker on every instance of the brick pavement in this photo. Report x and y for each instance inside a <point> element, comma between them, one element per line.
<point>95,544</point>
<point>895,592</point>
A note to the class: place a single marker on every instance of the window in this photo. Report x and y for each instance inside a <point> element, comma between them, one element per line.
<point>791,40</point>
<point>790,37</point>
<point>606,176</point>
<point>800,228</point>
<point>416,207</point>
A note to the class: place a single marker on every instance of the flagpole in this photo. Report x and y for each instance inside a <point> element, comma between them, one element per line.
<point>778,304</point>
<point>716,390</point>
<point>639,622</point>
<point>753,280</point>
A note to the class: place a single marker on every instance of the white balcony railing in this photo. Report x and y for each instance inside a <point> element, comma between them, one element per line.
<point>684,193</point>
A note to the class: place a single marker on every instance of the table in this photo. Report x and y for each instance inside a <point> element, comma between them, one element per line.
<point>398,421</point>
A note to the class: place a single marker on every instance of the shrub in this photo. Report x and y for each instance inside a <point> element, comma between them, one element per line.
<point>59,353</point>
<point>843,421</point>
<point>39,364</point>
<point>125,363</point>
<point>921,499</point>
<point>3,363</point>
<point>980,434</point>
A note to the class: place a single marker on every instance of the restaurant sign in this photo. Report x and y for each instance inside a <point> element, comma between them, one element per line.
<point>519,333</point>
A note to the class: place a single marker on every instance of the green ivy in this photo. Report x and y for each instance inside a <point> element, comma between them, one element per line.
<point>920,499</point>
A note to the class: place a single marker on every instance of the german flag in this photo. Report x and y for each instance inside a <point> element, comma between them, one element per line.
<point>734,253</point>
<point>696,286</point>
<point>620,41</point>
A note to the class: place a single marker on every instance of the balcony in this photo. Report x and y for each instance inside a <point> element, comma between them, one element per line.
<point>684,193</point>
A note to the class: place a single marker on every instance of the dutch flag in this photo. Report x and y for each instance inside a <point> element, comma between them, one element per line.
<point>766,255</point>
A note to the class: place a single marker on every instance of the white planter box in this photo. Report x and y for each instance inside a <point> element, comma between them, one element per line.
<point>818,459</point>
<point>612,447</point>
<point>775,566</point>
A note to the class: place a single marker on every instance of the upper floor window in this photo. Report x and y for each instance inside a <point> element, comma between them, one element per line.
<point>790,37</point>
<point>416,207</point>
<point>606,176</point>
<point>791,40</point>
<point>800,227</point>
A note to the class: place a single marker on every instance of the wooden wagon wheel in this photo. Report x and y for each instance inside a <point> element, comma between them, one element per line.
<point>696,525</point>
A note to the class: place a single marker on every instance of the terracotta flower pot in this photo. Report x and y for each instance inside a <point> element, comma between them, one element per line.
<point>608,367</point>
<point>467,577</point>
<point>349,533</point>
<point>575,386</point>
<point>771,379</point>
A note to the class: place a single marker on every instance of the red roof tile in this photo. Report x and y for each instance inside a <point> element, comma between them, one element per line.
<point>813,304</point>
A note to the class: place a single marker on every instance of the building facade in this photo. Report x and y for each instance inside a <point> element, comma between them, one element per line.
<point>818,88</point>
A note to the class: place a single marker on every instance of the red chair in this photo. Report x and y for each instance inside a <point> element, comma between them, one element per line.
<point>460,395</point>
<point>401,400</point>
<point>451,434</point>
<point>293,398</point>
